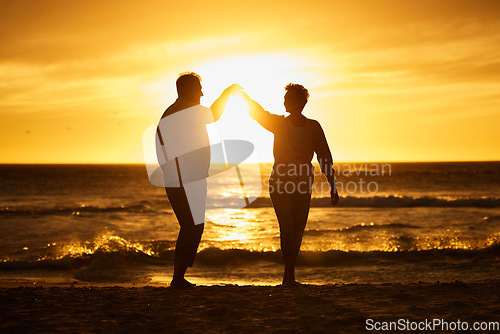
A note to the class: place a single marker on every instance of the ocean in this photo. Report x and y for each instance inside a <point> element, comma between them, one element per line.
<point>396,222</point>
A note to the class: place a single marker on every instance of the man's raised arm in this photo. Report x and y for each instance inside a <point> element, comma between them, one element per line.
<point>220,104</point>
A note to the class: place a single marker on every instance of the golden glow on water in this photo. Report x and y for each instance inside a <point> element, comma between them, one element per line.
<point>493,240</point>
<point>165,279</point>
<point>106,242</point>
<point>429,243</point>
<point>257,230</point>
<point>229,236</point>
<point>238,228</point>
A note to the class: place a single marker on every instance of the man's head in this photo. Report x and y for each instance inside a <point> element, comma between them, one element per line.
<point>189,86</point>
<point>296,97</point>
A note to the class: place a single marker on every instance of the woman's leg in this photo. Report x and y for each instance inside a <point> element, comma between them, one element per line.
<point>300,213</point>
<point>292,210</point>
<point>284,212</point>
<point>292,224</point>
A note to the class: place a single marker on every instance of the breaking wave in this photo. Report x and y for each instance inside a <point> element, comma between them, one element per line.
<point>108,251</point>
<point>395,202</point>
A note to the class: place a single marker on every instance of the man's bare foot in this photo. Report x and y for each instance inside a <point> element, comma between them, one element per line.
<point>291,284</point>
<point>181,283</point>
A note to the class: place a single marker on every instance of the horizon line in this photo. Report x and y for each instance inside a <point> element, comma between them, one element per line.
<point>263,162</point>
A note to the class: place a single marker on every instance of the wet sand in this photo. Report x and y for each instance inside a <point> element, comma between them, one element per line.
<point>232,309</point>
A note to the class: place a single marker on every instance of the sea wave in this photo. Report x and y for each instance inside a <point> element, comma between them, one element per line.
<point>393,201</point>
<point>361,227</point>
<point>133,258</point>
<point>136,207</point>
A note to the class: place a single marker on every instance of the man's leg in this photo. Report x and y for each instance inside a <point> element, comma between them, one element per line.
<point>189,236</point>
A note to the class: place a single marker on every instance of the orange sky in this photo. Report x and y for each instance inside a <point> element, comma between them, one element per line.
<point>389,80</point>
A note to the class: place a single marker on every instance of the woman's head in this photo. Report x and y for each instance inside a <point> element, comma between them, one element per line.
<point>296,97</point>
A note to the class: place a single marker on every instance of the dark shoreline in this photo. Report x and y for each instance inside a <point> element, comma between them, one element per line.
<point>222,309</point>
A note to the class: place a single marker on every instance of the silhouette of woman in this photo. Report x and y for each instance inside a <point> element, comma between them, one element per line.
<point>296,139</point>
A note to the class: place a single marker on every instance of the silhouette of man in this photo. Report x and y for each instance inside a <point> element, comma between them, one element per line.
<point>183,151</point>
<point>296,139</point>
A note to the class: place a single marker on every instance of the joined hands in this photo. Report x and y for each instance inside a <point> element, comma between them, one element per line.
<point>233,89</point>
<point>236,89</point>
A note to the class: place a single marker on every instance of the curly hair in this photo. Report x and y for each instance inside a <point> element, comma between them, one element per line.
<point>298,90</point>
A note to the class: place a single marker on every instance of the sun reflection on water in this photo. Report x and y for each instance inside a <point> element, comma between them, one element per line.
<point>240,228</point>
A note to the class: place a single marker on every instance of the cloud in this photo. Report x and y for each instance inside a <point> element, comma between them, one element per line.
<point>104,60</point>
<point>113,80</point>
<point>51,31</point>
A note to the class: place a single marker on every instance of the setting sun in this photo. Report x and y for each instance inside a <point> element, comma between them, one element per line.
<point>400,84</point>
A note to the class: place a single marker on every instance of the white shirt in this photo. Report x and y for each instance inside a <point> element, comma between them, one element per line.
<point>184,136</point>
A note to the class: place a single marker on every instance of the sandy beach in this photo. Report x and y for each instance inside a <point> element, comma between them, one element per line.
<point>232,308</point>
